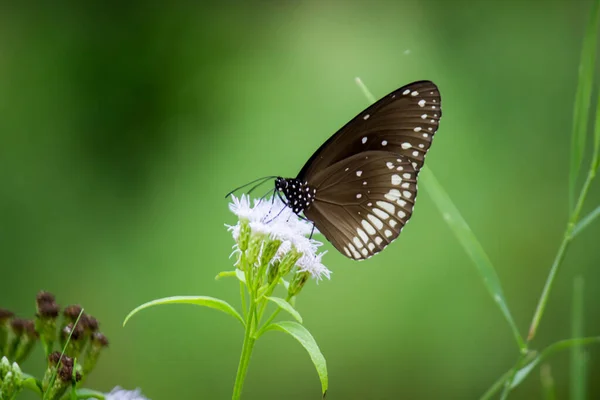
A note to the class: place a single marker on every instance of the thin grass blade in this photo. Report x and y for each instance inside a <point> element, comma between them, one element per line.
<point>548,351</point>
<point>583,94</point>
<point>585,221</point>
<point>577,383</point>
<point>471,245</point>
<point>548,385</point>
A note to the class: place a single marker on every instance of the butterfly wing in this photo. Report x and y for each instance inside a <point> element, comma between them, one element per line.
<point>363,202</point>
<point>403,122</point>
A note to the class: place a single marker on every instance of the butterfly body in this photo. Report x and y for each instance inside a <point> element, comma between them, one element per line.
<point>359,188</point>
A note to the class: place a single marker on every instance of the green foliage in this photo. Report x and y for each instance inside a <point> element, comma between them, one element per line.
<point>302,335</point>
<point>203,301</point>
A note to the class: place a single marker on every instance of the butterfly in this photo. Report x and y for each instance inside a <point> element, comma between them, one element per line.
<point>359,188</point>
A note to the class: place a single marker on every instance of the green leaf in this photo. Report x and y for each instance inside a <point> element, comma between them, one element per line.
<point>284,305</point>
<point>302,335</point>
<point>548,351</point>
<point>205,301</point>
<point>240,275</point>
<point>577,382</point>
<point>32,384</point>
<point>585,221</point>
<point>225,274</point>
<point>473,248</point>
<point>581,107</point>
<point>285,283</point>
<point>89,393</point>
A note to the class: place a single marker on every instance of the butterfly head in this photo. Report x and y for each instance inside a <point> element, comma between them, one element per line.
<point>298,194</point>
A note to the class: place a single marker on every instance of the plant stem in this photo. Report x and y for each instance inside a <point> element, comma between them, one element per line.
<point>560,255</point>
<point>246,353</point>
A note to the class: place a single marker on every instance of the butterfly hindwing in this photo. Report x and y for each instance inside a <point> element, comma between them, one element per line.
<point>363,202</point>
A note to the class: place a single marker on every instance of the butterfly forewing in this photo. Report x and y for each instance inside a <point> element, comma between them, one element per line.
<point>363,202</point>
<point>403,122</point>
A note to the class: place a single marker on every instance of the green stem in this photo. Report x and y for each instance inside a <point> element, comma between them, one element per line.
<point>246,353</point>
<point>560,255</point>
<point>243,297</point>
<point>270,319</point>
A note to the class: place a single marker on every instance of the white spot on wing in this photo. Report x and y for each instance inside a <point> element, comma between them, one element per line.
<point>358,173</point>
<point>347,251</point>
<point>364,140</point>
<point>406,92</point>
<point>396,180</point>
<point>406,145</point>
<point>357,242</point>
<point>386,206</point>
<point>407,194</point>
<point>401,214</point>
<point>378,240</point>
<point>388,233</point>
<point>368,227</point>
<point>376,221</point>
<point>380,214</point>
<point>362,235</point>
<point>366,117</point>
<point>389,165</point>
<point>384,142</point>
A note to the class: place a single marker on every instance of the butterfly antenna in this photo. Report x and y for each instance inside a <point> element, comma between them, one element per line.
<point>263,180</point>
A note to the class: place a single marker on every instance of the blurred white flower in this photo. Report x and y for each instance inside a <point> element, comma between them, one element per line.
<point>274,219</point>
<point>121,394</point>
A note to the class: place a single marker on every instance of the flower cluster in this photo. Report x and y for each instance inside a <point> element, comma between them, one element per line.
<point>72,345</point>
<point>271,236</point>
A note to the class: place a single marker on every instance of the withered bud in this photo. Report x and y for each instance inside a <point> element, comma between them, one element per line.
<point>44,298</point>
<point>91,323</point>
<point>53,358</point>
<point>100,339</point>
<point>72,312</point>
<point>77,331</point>
<point>5,314</point>
<point>65,372</point>
<point>48,310</point>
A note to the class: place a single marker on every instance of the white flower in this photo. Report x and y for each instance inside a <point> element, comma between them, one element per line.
<point>311,262</point>
<point>121,394</point>
<point>274,219</point>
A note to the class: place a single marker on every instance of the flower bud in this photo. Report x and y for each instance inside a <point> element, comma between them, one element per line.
<point>244,236</point>
<point>97,343</point>
<point>273,272</point>
<point>27,337</point>
<point>45,322</point>
<point>288,261</point>
<point>12,380</point>
<point>298,282</point>
<point>65,378</point>
<point>73,337</point>
<point>5,317</point>
<point>269,250</point>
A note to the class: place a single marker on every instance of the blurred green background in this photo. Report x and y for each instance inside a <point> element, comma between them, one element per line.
<point>122,127</point>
